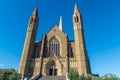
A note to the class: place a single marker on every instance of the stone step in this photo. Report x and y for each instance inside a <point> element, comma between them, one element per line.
<point>53,78</point>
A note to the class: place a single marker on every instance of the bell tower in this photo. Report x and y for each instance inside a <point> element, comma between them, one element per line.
<point>80,50</point>
<point>29,43</point>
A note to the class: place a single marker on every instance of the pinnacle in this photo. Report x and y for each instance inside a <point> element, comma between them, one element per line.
<point>60,24</point>
<point>35,12</point>
<point>76,8</point>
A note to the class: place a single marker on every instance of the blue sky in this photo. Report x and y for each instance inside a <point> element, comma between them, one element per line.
<point>101,21</point>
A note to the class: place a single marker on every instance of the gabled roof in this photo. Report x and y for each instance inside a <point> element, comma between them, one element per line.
<point>55,28</point>
<point>54,58</point>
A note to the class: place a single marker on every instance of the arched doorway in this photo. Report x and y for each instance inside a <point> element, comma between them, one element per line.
<point>51,69</point>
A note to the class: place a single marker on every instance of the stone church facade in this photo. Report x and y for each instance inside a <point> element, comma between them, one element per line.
<point>54,54</point>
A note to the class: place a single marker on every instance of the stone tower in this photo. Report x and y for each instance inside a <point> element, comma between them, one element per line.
<point>80,50</point>
<point>29,43</point>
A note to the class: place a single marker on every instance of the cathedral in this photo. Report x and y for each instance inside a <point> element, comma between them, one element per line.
<point>55,54</point>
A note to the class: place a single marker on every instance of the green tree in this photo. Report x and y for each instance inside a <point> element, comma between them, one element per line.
<point>9,74</point>
<point>15,76</point>
<point>73,75</point>
<point>110,77</point>
<point>82,77</point>
<point>91,77</point>
<point>4,75</point>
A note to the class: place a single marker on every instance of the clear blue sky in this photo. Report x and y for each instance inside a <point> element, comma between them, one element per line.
<point>101,20</point>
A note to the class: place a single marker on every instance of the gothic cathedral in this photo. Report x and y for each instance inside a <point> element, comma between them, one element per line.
<point>54,54</point>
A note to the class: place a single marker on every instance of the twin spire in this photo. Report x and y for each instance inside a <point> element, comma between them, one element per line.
<point>60,23</point>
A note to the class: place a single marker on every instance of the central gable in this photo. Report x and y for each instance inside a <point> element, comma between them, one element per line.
<point>55,31</point>
<point>62,38</point>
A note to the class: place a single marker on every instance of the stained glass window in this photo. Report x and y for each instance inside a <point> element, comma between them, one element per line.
<point>54,46</point>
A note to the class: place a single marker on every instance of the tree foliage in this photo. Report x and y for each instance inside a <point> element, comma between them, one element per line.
<point>110,77</point>
<point>73,75</point>
<point>9,74</point>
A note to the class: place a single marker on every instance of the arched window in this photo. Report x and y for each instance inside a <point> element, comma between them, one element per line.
<point>77,18</point>
<point>54,46</point>
<point>36,52</point>
<point>70,52</point>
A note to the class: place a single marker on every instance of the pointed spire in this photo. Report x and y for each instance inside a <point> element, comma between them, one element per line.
<point>60,24</point>
<point>76,8</point>
<point>35,11</point>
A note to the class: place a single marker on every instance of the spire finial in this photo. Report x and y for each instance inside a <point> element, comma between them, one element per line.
<point>60,24</point>
<point>76,8</point>
<point>35,10</point>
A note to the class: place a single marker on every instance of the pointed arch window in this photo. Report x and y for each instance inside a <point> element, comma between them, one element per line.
<point>54,46</point>
<point>77,18</point>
